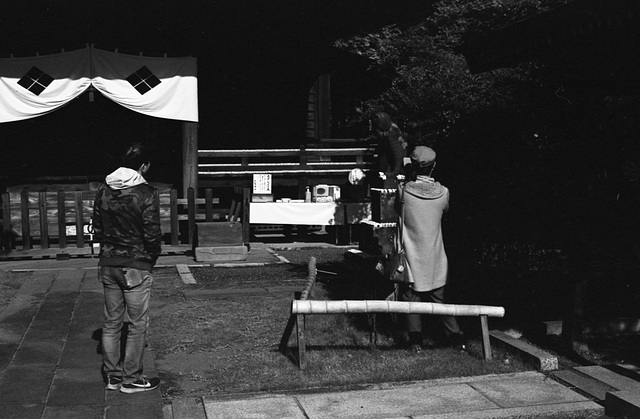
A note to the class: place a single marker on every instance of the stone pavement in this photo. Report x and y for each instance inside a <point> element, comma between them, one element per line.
<point>50,368</point>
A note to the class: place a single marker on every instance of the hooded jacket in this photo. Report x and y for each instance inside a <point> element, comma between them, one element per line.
<point>425,201</point>
<point>126,221</point>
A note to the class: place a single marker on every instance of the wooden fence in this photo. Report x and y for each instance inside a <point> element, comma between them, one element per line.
<point>50,218</point>
<point>288,167</point>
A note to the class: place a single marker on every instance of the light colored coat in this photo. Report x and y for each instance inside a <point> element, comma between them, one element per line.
<point>425,201</point>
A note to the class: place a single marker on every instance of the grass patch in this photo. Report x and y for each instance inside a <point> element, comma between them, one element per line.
<point>229,345</point>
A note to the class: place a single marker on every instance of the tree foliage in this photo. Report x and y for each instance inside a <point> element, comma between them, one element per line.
<point>431,88</point>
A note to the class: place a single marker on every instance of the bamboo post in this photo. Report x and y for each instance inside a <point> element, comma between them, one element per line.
<point>62,221</point>
<point>300,318</point>
<point>24,219</point>
<point>44,230</point>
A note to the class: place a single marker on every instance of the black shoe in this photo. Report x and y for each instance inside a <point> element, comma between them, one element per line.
<point>113,382</point>
<point>141,384</point>
<point>416,349</point>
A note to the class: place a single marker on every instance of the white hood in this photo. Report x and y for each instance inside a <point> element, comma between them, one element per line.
<point>124,178</point>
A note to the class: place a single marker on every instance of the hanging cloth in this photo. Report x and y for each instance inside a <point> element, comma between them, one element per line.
<point>158,87</point>
<point>35,86</point>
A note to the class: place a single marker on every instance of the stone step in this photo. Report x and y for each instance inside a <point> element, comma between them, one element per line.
<point>606,376</point>
<point>586,385</point>
<point>624,399</point>
<point>542,360</point>
<point>623,404</point>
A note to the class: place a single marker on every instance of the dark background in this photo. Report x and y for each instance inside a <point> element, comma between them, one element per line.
<point>256,63</point>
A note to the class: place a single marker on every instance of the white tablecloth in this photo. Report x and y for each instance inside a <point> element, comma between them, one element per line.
<point>297,213</point>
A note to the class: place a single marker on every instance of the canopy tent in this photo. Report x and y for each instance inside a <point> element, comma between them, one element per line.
<point>159,87</point>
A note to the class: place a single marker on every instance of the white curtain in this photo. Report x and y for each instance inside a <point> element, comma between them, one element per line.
<point>159,87</point>
<point>64,77</point>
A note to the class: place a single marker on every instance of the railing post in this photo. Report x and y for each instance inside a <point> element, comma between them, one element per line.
<point>191,211</point>
<point>62,220</point>
<point>44,225</point>
<point>6,222</point>
<point>246,231</point>
<point>173,214</point>
<point>208,204</point>
<point>77,195</point>
<point>24,219</point>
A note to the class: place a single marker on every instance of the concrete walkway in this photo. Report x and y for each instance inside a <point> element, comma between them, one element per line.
<point>50,368</point>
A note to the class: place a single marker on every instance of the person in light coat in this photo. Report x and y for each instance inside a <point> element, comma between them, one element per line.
<point>425,201</point>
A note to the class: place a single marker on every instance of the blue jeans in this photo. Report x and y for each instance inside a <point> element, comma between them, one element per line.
<point>119,298</point>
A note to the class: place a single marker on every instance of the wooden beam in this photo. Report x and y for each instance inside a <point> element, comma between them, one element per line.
<point>189,157</point>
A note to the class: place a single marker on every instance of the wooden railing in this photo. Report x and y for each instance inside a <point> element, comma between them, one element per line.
<point>56,219</point>
<point>289,166</point>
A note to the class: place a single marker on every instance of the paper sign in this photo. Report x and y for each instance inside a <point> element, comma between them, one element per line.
<point>262,184</point>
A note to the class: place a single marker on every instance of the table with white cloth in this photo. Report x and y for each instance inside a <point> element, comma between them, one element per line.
<point>309,213</point>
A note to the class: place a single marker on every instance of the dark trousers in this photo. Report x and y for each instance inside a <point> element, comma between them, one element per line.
<point>414,321</point>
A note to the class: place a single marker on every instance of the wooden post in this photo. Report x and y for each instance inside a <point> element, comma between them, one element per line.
<point>191,212</point>
<point>44,229</point>
<point>486,343</point>
<point>246,231</point>
<point>62,221</point>
<point>175,226</point>
<point>79,219</point>
<point>324,106</point>
<point>189,157</point>
<point>6,222</point>
<point>302,350</point>
<point>208,204</point>
<point>24,218</point>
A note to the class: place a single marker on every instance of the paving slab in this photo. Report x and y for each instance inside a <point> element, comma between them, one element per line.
<point>22,410</point>
<point>26,384</point>
<point>396,402</point>
<point>81,354</point>
<point>69,383</point>
<point>527,394</point>
<point>282,407</point>
<point>133,411</point>
<point>39,352</point>
<point>578,410</point>
<point>74,412</point>
<point>527,391</point>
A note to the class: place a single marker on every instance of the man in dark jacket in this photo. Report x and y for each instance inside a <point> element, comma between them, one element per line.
<point>126,220</point>
<point>392,148</point>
